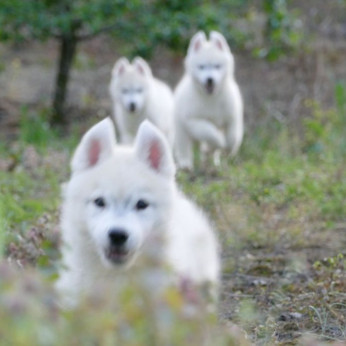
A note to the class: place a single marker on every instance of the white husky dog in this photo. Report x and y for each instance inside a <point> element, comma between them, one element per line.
<point>137,95</point>
<point>118,204</point>
<point>208,102</point>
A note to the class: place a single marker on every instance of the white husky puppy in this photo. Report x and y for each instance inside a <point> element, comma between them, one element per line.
<point>137,95</point>
<point>208,102</point>
<point>121,204</point>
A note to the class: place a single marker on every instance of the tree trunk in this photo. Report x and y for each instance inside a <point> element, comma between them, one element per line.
<point>68,45</point>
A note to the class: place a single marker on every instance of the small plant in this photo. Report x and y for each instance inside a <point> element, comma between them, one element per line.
<point>3,227</point>
<point>35,129</point>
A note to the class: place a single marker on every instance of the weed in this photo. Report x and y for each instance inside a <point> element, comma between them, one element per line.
<point>34,129</point>
<point>3,227</point>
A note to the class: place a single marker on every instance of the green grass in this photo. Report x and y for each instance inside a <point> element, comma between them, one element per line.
<point>26,195</point>
<point>3,228</point>
<point>279,209</point>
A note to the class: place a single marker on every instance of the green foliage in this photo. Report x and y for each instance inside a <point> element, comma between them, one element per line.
<point>283,31</point>
<point>21,206</point>
<point>3,227</point>
<point>168,22</point>
<point>172,23</point>
<point>35,129</point>
<point>44,19</point>
<point>331,263</point>
<point>2,67</point>
<point>340,97</point>
<point>30,189</point>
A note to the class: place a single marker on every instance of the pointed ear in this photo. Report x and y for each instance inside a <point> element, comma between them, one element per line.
<point>142,66</point>
<point>120,66</point>
<point>196,42</point>
<point>152,148</point>
<point>96,145</point>
<point>219,41</point>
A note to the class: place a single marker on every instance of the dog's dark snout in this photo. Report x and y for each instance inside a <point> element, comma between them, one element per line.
<point>132,106</point>
<point>117,237</point>
<point>210,81</point>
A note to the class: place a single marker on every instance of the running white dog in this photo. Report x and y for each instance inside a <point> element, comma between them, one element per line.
<point>208,102</point>
<point>137,95</point>
<point>122,204</point>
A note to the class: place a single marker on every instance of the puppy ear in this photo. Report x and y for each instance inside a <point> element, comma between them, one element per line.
<point>96,145</point>
<point>142,66</point>
<point>196,42</point>
<point>219,41</point>
<point>152,148</point>
<point>120,66</point>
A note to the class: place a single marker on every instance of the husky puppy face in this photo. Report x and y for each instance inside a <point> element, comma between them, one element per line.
<point>131,83</point>
<point>209,62</point>
<point>119,198</point>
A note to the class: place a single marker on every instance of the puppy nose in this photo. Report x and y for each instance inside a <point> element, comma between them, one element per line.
<point>117,237</point>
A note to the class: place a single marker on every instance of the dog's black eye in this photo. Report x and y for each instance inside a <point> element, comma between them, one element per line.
<point>100,202</point>
<point>141,204</point>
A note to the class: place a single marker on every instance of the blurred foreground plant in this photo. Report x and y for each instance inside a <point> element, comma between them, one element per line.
<point>130,315</point>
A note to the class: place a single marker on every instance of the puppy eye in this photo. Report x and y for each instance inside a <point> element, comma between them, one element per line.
<point>217,66</point>
<point>142,204</point>
<point>100,202</point>
<point>125,91</point>
<point>139,90</point>
<point>201,67</point>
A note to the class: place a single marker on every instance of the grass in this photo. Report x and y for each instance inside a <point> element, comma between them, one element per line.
<point>279,209</point>
<point>3,228</point>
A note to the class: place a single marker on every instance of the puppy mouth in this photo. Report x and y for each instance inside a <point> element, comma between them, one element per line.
<point>117,255</point>
<point>209,87</point>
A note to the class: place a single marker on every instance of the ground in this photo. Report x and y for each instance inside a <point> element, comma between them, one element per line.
<point>278,207</point>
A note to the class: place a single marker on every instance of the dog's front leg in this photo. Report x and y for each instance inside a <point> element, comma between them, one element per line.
<point>204,131</point>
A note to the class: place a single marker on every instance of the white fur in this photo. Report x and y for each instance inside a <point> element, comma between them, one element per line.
<point>170,226</point>
<point>133,85</point>
<point>210,113</point>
